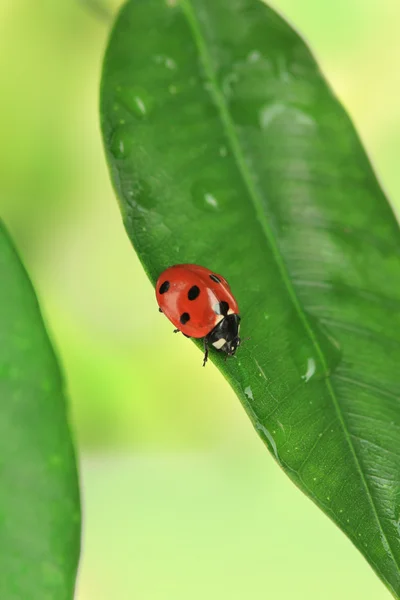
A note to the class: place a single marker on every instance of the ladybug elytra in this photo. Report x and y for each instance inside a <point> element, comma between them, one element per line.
<point>201,305</point>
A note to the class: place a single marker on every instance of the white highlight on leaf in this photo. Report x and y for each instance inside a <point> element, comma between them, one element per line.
<point>311,368</point>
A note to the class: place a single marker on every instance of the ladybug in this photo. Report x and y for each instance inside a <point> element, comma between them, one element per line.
<point>201,305</point>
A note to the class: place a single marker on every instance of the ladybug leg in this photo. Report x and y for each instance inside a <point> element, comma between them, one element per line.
<point>176,330</point>
<point>160,310</point>
<point>205,352</point>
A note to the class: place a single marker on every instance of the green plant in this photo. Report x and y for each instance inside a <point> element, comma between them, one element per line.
<point>39,500</point>
<point>227,148</point>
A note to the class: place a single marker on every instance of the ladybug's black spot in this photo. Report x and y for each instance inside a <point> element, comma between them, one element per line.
<point>215,278</point>
<point>221,308</point>
<point>193,292</point>
<point>164,287</point>
<point>184,318</point>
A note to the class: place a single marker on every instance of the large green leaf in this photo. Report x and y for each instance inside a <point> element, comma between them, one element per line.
<point>39,497</point>
<point>227,148</point>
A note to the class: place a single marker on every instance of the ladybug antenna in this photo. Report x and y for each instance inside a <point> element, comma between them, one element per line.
<point>246,339</point>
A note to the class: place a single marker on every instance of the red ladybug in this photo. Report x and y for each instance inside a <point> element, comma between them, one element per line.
<point>201,305</point>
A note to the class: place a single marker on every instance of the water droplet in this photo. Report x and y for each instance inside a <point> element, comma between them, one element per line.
<point>269,112</point>
<point>314,479</point>
<point>118,147</point>
<point>172,89</point>
<point>303,118</point>
<point>136,99</point>
<point>249,393</point>
<point>268,438</point>
<point>170,63</point>
<point>210,200</point>
<point>121,142</point>
<point>265,110</point>
<point>341,510</point>
<point>166,61</point>
<point>319,354</point>
<point>253,56</point>
<point>223,151</point>
<point>311,368</point>
<point>204,197</point>
<point>328,498</point>
<point>139,197</point>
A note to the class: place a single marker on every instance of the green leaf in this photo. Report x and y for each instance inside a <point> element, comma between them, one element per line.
<point>228,149</point>
<point>39,497</point>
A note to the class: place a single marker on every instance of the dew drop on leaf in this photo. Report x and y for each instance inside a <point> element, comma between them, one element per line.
<point>269,440</point>
<point>249,393</point>
<point>204,197</point>
<point>269,112</point>
<point>168,62</point>
<point>136,99</point>
<point>311,368</point>
<point>320,355</point>
<point>121,142</point>
<point>253,56</point>
<point>140,196</point>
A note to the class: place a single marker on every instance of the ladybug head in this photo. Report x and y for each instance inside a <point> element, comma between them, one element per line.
<point>225,336</point>
<point>231,347</point>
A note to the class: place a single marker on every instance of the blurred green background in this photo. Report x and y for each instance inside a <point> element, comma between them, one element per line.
<point>181,499</point>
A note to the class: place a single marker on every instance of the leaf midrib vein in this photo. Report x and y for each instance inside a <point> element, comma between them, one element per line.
<point>253,193</point>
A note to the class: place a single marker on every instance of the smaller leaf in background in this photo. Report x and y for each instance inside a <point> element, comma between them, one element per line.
<point>39,494</point>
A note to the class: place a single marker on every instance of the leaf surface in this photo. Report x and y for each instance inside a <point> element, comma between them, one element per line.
<point>39,497</point>
<point>227,148</point>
